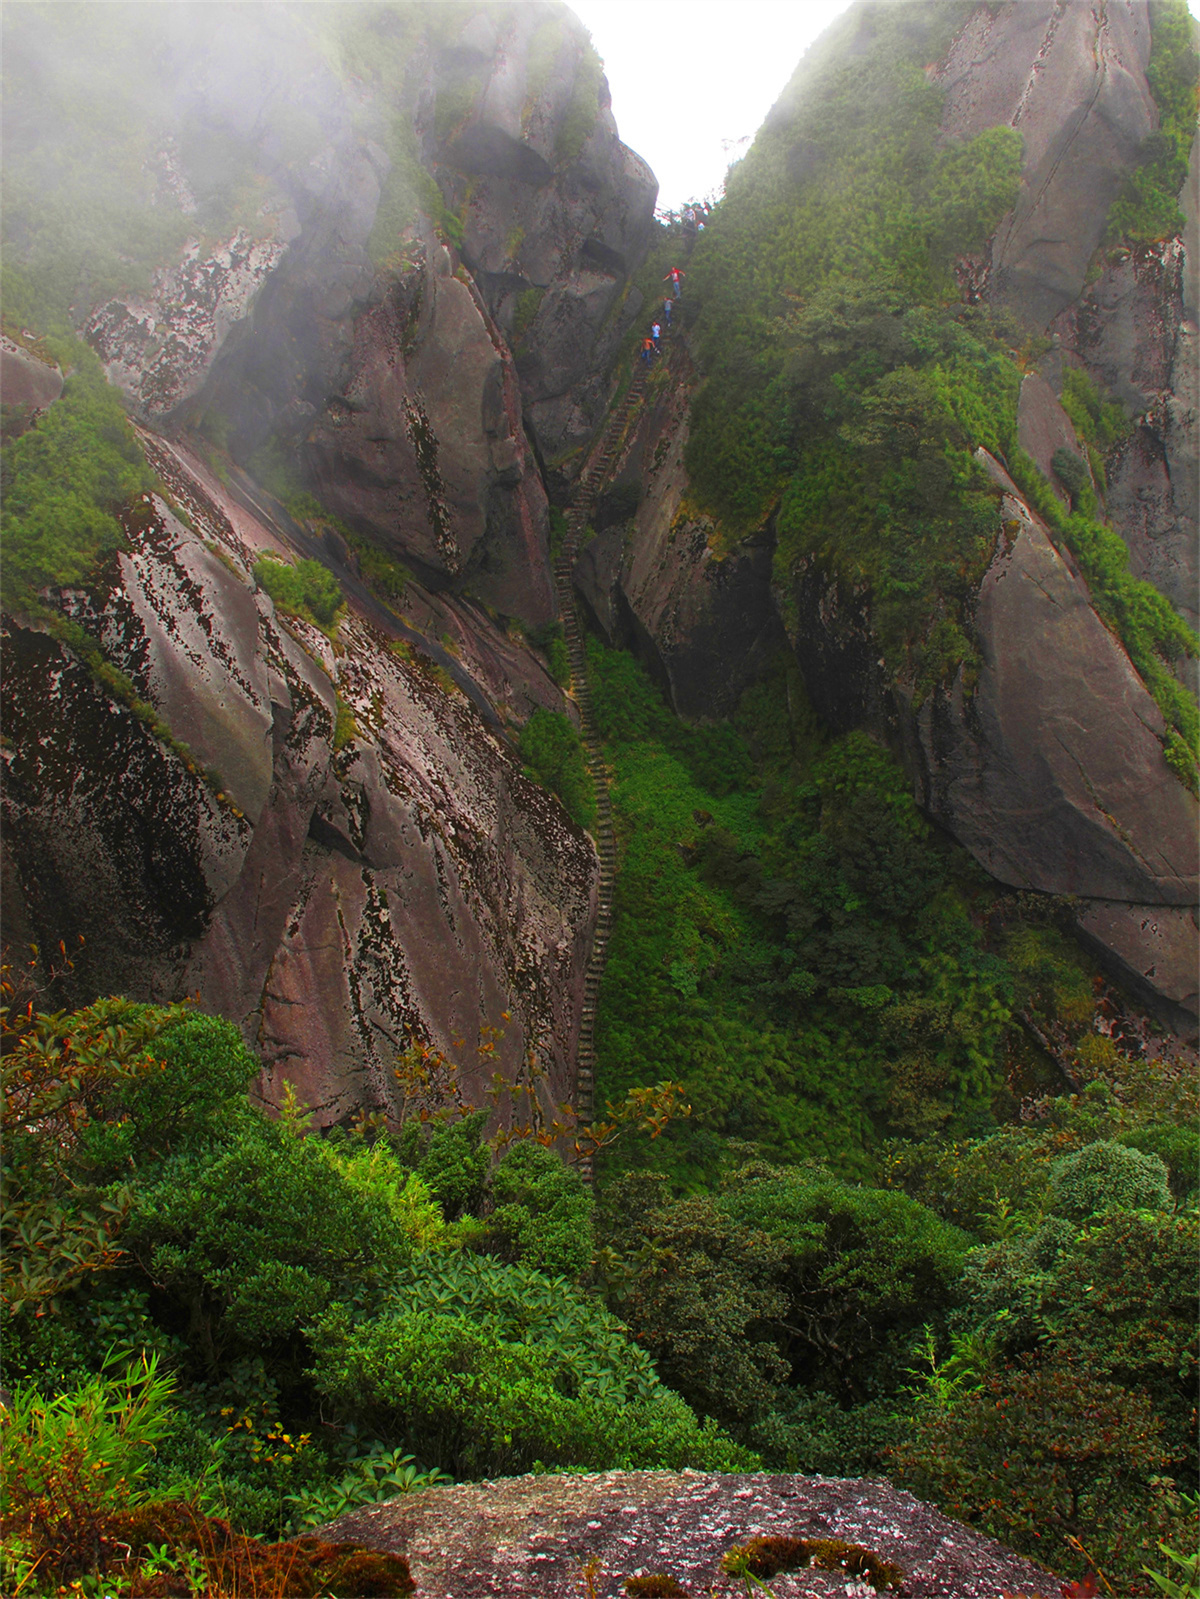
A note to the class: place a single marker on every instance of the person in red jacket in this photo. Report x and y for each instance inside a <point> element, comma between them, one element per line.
<point>676,277</point>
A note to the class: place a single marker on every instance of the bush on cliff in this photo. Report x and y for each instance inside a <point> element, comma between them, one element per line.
<point>65,480</point>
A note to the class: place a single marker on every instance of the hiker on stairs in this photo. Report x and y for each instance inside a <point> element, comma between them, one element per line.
<point>667,303</point>
<point>676,276</point>
<point>656,333</point>
<point>647,350</point>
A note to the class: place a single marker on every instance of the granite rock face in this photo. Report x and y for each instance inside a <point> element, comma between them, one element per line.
<point>344,341</point>
<point>1051,772</point>
<point>1131,331</point>
<point>557,212</point>
<point>335,893</point>
<point>1071,79</point>
<point>525,1537</point>
<point>702,618</point>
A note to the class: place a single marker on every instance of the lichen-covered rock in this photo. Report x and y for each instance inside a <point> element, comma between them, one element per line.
<point>335,888</point>
<point>528,1537</point>
<point>159,349</point>
<point>1071,79</point>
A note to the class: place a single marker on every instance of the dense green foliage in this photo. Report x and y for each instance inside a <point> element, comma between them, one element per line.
<point>65,480</point>
<point>320,1303</point>
<point>793,941</point>
<point>1147,209</point>
<point>846,385</point>
<point>302,588</point>
<point>554,755</point>
<point>821,971</point>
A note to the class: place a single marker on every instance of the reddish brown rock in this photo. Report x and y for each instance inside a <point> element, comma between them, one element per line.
<point>528,1537</point>
<point>333,902</point>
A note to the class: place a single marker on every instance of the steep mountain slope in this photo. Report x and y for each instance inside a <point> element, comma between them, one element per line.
<point>956,233</point>
<point>328,840</point>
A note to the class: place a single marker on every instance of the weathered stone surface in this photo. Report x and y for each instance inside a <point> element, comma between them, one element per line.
<point>26,382</point>
<point>160,349</point>
<point>334,903</point>
<point>422,446</point>
<point>1153,948</point>
<point>1052,773</point>
<point>1130,330</point>
<point>1043,427</point>
<point>1071,78</point>
<point>553,203</point>
<point>702,618</point>
<point>525,1537</point>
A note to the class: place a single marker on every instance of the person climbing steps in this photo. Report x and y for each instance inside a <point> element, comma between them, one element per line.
<point>667,304</point>
<point>676,276</point>
<point>647,349</point>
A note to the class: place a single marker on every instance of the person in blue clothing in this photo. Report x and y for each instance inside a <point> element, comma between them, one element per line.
<point>656,333</point>
<point>647,350</point>
<point>667,311</point>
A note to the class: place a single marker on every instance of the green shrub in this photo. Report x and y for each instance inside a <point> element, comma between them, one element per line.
<point>1043,1453</point>
<point>1178,1147</point>
<point>531,1373</point>
<point>255,1235</point>
<point>541,1212</point>
<point>698,1290</point>
<point>66,479</point>
<point>555,756</point>
<point>70,1460</point>
<point>1108,1176</point>
<point>1071,473</point>
<point>302,588</point>
<point>863,1271</point>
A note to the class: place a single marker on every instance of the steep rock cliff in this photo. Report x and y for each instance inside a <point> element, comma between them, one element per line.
<point>336,888</point>
<point>1050,767</point>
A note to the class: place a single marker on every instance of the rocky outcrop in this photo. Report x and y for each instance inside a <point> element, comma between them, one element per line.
<point>556,211</point>
<point>336,886</point>
<point>1132,333</point>
<point>28,385</point>
<point>702,616</point>
<point>1071,79</point>
<point>1051,771</point>
<point>524,1537</point>
<point>344,341</point>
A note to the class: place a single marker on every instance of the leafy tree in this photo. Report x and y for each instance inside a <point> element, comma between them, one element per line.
<point>1043,1453</point>
<point>541,1212</point>
<point>1108,1176</point>
<point>863,1270</point>
<point>697,1288</point>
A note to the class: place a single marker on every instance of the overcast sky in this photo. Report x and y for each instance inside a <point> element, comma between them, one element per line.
<point>692,80</point>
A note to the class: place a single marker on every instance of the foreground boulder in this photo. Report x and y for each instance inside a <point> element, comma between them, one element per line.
<point>534,1536</point>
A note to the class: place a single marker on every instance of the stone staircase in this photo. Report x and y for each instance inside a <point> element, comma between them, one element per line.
<point>591,479</point>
